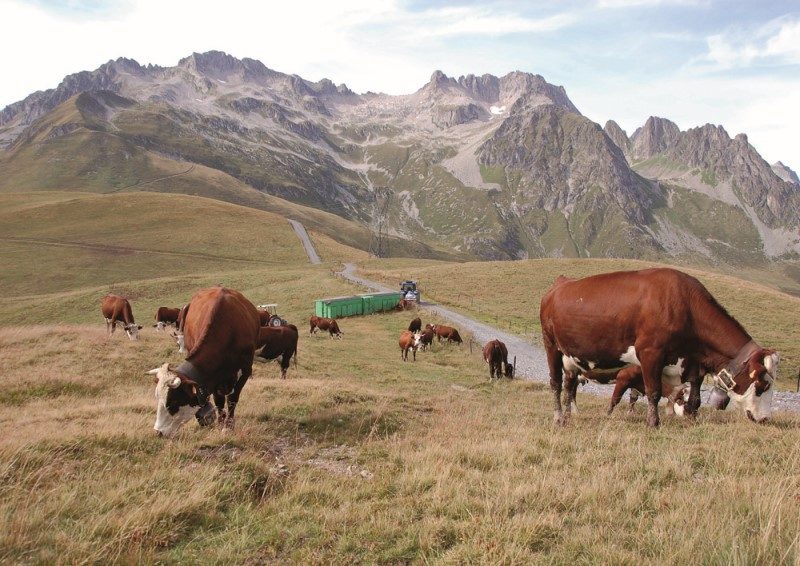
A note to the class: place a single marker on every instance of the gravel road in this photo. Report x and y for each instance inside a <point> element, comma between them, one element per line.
<point>531,361</point>
<point>311,252</point>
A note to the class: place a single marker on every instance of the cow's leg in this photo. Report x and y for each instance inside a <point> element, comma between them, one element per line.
<point>219,402</point>
<point>285,359</point>
<point>652,360</point>
<point>233,398</point>
<point>570,390</point>
<point>633,396</point>
<point>414,353</point>
<point>619,390</point>
<point>694,376</point>
<point>556,365</point>
<point>108,327</point>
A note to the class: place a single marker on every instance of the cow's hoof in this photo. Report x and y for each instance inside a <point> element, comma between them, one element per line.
<point>558,419</point>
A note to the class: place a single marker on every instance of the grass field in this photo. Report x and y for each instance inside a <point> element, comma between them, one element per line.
<point>357,457</point>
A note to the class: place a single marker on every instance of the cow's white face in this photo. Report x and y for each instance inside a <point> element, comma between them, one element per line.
<point>417,340</point>
<point>132,330</point>
<point>757,407</point>
<point>180,340</point>
<point>172,405</point>
<point>160,326</point>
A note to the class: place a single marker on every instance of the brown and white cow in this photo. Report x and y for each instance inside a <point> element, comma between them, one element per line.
<point>448,333</point>
<point>325,324</point>
<point>426,338</point>
<point>415,325</point>
<point>651,318</point>
<point>277,341</point>
<point>118,309</point>
<point>221,330</point>
<point>409,341</point>
<point>166,316</point>
<point>495,354</point>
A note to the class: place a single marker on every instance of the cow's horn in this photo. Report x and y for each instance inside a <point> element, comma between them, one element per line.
<point>152,371</point>
<point>174,383</point>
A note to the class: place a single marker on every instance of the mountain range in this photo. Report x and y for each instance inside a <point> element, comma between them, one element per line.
<point>476,166</point>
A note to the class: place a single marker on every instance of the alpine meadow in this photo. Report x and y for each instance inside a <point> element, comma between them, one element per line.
<point>254,318</point>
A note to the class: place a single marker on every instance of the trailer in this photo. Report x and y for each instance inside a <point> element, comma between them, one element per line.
<point>338,307</point>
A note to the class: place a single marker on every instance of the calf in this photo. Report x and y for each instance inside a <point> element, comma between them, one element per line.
<point>409,341</point>
<point>118,309</point>
<point>329,324</point>
<point>416,325</point>
<point>166,316</point>
<point>446,333</point>
<point>277,341</point>
<point>495,354</point>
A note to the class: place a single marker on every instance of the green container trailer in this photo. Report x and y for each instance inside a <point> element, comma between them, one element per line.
<point>338,307</point>
<point>380,302</point>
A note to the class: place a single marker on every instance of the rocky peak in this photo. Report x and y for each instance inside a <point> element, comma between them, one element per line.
<point>785,173</point>
<point>618,136</point>
<point>655,136</point>
<point>211,63</point>
<point>485,88</point>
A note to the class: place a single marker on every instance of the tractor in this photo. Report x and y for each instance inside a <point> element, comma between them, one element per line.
<point>409,290</point>
<point>274,319</point>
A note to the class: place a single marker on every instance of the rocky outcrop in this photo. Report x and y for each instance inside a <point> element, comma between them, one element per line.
<point>618,136</point>
<point>785,173</point>
<point>655,136</point>
<point>561,157</point>
<point>446,116</point>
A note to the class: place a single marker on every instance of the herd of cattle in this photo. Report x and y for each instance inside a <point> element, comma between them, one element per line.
<point>657,332</point>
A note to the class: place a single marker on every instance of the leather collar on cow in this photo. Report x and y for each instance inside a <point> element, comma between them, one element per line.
<point>725,378</point>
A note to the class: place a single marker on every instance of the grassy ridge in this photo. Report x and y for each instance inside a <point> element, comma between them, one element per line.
<point>509,293</point>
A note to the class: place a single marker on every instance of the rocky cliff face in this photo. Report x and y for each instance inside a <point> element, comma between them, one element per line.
<point>785,173</point>
<point>561,157</point>
<point>654,137</point>
<point>618,136</point>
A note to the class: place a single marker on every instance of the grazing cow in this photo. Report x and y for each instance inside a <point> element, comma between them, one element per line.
<point>409,341</point>
<point>415,325</point>
<point>221,330</point>
<point>426,338</point>
<point>277,341</point>
<point>118,309</point>
<point>166,316</point>
<point>446,333</point>
<point>329,324</point>
<point>495,354</point>
<point>650,318</point>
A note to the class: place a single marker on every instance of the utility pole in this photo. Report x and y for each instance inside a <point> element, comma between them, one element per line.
<point>379,242</point>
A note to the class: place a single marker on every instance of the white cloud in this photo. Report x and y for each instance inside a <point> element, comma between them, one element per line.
<point>635,3</point>
<point>777,42</point>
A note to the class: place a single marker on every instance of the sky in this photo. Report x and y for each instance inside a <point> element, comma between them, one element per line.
<point>693,61</point>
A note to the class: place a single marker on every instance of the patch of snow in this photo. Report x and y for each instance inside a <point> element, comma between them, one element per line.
<point>496,110</point>
<point>223,82</point>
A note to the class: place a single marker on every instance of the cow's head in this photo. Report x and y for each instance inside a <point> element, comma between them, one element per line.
<point>417,340</point>
<point>132,330</point>
<point>178,399</point>
<point>752,388</point>
<point>510,371</point>
<point>159,326</point>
